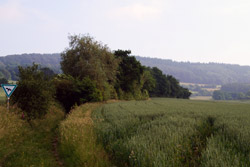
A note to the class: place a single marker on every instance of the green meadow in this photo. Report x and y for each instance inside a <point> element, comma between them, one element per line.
<point>171,132</point>
<point>159,132</point>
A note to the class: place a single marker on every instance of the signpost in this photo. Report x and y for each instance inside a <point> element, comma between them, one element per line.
<point>8,89</point>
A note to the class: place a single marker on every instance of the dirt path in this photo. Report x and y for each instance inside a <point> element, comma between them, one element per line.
<point>55,151</point>
<point>87,120</point>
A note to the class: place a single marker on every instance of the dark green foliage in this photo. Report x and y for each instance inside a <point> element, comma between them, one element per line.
<point>33,93</point>
<point>71,91</point>
<point>48,73</point>
<point>183,93</point>
<point>132,77</point>
<point>148,81</point>
<point>167,86</point>
<point>130,70</point>
<point>174,86</point>
<point>133,81</point>
<point>3,81</point>
<point>162,87</point>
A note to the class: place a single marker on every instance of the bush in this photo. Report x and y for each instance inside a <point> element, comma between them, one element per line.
<point>33,92</point>
<point>71,91</point>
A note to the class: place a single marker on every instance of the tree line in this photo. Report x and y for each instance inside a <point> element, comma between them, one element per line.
<point>9,64</point>
<point>233,91</point>
<point>200,73</point>
<point>91,72</point>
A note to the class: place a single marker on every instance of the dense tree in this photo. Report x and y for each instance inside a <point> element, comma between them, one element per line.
<point>162,86</point>
<point>183,93</point>
<point>133,81</point>
<point>167,86</point>
<point>33,93</point>
<point>130,70</point>
<point>147,80</point>
<point>86,57</point>
<point>174,86</point>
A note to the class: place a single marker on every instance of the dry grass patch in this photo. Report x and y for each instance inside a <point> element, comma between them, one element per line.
<point>22,145</point>
<point>78,145</point>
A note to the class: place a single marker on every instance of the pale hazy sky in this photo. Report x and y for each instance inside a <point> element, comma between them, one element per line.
<point>181,30</point>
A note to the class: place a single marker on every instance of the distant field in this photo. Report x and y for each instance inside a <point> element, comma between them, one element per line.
<point>217,87</point>
<point>185,83</point>
<point>171,132</point>
<point>201,98</point>
<point>201,90</point>
<point>12,82</point>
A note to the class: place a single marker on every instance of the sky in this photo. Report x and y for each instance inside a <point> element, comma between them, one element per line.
<point>181,30</point>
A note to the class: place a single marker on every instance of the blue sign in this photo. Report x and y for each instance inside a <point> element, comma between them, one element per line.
<point>8,89</point>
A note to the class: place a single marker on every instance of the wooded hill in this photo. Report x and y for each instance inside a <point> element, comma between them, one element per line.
<point>9,64</point>
<point>203,73</point>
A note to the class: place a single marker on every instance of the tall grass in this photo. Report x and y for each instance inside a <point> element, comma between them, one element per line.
<point>78,145</point>
<point>2,96</point>
<point>22,145</point>
<point>171,132</point>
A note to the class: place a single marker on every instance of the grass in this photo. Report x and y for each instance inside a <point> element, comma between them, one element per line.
<point>78,145</point>
<point>22,145</point>
<point>171,132</point>
<point>2,96</point>
<point>155,133</point>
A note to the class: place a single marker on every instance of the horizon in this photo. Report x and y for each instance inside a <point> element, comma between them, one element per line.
<point>194,31</point>
<point>149,58</point>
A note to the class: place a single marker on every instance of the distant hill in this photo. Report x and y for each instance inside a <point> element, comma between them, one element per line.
<point>200,73</point>
<point>9,64</point>
<point>203,73</point>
